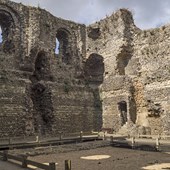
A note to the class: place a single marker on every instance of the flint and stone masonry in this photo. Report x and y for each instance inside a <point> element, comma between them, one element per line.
<point>109,75</point>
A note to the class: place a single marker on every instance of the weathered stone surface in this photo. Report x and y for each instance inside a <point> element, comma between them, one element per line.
<point>136,65</point>
<point>40,91</point>
<point>108,75</point>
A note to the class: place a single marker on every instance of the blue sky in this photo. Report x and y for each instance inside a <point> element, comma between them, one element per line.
<point>147,13</point>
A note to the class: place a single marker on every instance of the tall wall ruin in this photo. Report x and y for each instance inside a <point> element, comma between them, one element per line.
<point>136,81</point>
<point>108,75</point>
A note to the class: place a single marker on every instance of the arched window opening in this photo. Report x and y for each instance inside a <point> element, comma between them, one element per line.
<point>63,46</point>
<point>94,68</point>
<point>57,46</point>
<point>7,27</point>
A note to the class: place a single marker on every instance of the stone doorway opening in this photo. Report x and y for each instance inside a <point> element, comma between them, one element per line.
<point>122,107</point>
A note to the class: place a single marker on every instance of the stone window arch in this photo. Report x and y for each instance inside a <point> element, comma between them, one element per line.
<point>7,25</point>
<point>63,39</point>
<point>94,68</point>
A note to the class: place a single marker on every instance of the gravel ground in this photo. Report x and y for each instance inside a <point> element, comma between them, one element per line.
<point>120,158</point>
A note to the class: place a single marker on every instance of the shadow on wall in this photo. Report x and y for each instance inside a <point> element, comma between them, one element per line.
<point>41,95</point>
<point>94,70</point>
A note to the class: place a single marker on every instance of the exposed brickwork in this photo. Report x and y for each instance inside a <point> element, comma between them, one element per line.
<point>81,87</point>
<point>40,91</point>
<point>136,71</point>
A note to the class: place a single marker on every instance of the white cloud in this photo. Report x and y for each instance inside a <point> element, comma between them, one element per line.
<point>147,13</point>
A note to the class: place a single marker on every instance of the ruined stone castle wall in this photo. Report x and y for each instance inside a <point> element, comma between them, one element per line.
<point>152,50</point>
<point>43,91</point>
<point>13,108</point>
<point>115,46</point>
<point>136,73</point>
<point>108,75</point>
